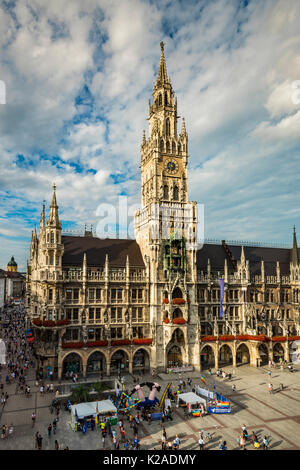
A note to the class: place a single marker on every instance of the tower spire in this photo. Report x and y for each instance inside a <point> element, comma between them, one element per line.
<point>162,71</point>
<point>295,256</point>
<point>53,215</point>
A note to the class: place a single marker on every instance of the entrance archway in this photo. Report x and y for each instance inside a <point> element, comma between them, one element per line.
<point>207,357</point>
<point>264,354</point>
<point>242,355</point>
<point>96,363</point>
<point>278,352</point>
<point>174,357</point>
<point>72,363</point>
<point>141,361</point>
<point>119,362</point>
<point>225,356</point>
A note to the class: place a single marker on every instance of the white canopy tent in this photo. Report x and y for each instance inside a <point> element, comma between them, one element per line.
<point>82,410</point>
<point>190,398</point>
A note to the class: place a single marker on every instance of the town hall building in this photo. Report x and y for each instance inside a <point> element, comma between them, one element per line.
<point>160,301</point>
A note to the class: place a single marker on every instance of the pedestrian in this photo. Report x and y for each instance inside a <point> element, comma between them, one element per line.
<point>201,443</point>
<point>265,443</point>
<point>36,439</point>
<point>223,445</point>
<point>49,430</point>
<point>54,426</point>
<point>270,388</point>
<point>242,442</point>
<point>56,445</point>
<point>40,442</point>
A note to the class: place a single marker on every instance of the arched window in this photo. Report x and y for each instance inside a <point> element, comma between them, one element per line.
<point>159,100</point>
<point>162,145</point>
<point>52,237</point>
<point>177,293</point>
<point>173,147</point>
<point>168,127</point>
<point>166,192</point>
<point>176,193</point>
<point>166,98</point>
<point>179,148</point>
<point>168,146</point>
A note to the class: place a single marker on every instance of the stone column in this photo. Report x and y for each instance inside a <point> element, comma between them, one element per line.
<point>286,351</point>
<point>234,355</point>
<point>84,368</point>
<point>216,351</point>
<point>59,372</point>
<point>130,367</point>
<point>108,369</point>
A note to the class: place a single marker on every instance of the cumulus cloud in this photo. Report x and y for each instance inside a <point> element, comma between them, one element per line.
<point>231,63</point>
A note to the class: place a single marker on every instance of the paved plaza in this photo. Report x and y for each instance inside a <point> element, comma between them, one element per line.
<point>276,416</point>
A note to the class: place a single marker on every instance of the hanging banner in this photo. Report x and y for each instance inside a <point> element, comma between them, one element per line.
<point>221,297</point>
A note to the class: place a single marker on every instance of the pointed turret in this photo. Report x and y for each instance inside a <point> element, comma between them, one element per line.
<point>42,219</point>
<point>53,219</point>
<point>183,128</point>
<point>295,256</point>
<point>242,256</point>
<point>162,77</point>
<point>144,138</point>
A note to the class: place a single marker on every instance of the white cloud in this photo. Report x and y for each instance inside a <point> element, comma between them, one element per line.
<point>231,68</point>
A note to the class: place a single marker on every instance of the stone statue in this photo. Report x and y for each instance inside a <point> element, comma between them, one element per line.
<point>84,334</point>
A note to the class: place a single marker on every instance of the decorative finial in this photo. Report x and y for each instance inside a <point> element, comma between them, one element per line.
<point>162,46</point>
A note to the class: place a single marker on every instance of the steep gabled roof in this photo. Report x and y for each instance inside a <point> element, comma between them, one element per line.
<point>255,255</point>
<point>96,250</point>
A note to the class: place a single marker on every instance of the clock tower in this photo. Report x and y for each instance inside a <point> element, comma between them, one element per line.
<point>166,225</point>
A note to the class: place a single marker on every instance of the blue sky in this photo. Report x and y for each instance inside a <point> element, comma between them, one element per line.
<point>78,80</point>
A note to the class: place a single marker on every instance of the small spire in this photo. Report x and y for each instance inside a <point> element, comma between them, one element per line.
<point>42,219</point>
<point>162,72</point>
<point>242,255</point>
<point>183,129</point>
<point>144,137</point>
<point>53,215</point>
<point>295,256</point>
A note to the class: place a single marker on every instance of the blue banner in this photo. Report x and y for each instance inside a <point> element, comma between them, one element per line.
<point>221,297</point>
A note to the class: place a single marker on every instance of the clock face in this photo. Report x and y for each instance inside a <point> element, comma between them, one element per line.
<point>171,166</point>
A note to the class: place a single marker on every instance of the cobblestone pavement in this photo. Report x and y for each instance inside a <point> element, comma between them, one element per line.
<point>276,415</point>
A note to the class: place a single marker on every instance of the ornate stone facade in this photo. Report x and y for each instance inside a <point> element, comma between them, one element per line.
<point>123,305</point>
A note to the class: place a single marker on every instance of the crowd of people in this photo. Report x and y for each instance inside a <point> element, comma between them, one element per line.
<point>18,357</point>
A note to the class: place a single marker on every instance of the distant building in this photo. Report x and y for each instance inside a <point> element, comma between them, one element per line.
<point>11,283</point>
<point>2,289</point>
<point>12,265</point>
<point>103,305</point>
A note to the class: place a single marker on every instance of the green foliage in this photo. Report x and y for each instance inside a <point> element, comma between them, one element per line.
<point>80,394</point>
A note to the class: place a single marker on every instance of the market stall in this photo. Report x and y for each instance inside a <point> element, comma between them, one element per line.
<point>83,412</point>
<point>192,401</point>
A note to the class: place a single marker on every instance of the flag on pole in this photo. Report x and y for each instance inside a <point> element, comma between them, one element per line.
<point>202,379</point>
<point>221,297</point>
